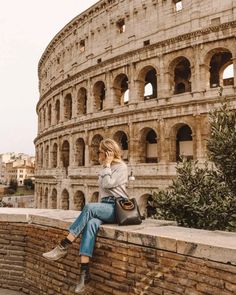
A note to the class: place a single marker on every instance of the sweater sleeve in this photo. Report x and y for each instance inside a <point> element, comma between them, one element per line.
<point>113,178</point>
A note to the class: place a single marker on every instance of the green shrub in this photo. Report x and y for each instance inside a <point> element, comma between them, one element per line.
<point>203,197</point>
<point>222,143</point>
<point>197,198</point>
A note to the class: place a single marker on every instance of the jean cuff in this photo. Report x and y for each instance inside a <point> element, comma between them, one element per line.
<point>85,254</point>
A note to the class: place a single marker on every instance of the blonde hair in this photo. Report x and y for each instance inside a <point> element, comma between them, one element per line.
<point>110,145</point>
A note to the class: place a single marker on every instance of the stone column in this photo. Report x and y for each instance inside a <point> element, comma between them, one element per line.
<point>134,95</point>
<point>162,156</point>
<point>109,96</point>
<point>74,102</point>
<point>61,99</point>
<point>163,81</point>
<point>49,154</point>
<point>90,98</point>
<point>204,77</point>
<point>195,72</point>
<point>86,153</point>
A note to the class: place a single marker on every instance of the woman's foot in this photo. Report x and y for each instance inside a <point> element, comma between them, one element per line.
<point>83,282</point>
<point>55,254</point>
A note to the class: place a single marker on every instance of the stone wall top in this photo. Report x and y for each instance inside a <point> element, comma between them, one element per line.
<point>217,246</point>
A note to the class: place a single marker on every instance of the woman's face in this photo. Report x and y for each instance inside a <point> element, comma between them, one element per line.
<point>101,155</point>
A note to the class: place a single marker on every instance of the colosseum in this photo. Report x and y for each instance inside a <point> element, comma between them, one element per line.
<point>145,73</point>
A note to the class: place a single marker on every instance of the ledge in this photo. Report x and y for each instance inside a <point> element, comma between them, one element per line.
<point>216,246</point>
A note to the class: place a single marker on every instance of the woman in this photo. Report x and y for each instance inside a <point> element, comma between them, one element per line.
<point>112,184</point>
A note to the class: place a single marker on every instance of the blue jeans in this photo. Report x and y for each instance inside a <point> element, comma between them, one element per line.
<point>89,220</point>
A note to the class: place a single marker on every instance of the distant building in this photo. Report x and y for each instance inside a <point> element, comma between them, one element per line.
<point>16,166</point>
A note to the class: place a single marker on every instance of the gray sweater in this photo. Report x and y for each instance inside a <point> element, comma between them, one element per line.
<point>112,181</point>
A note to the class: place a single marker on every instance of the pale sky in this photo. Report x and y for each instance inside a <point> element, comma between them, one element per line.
<point>26,28</point>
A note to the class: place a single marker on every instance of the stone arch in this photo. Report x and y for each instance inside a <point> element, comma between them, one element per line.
<point>54,155</point>
<point>65,201</point>
<point>57,111</point>
<point>122,139</point>
<point>94,148</point>
<point>45,205</point>
<point>65,154</point>
<point>54,199</point>
<point>79,201</point>
<point>147,205</point>
<point>49,115</point>
<point>121,89</point>
<point>68,107</point>
<point>80,152</point>
<point>148,79</point>
<point>180,69</point>
<point>82,101</point>
<point>181,142</point>
<point>94,198</point>
<point>99,94</point>
<point>218,59</point>
<point>148,150</point>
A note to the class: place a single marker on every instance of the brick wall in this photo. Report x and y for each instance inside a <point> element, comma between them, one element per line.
<point>118,266</point>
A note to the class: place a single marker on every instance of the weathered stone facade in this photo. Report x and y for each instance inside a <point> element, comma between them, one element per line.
<point>145,73</point>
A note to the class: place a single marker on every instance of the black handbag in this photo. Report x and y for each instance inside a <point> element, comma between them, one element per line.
<point>127,211</point>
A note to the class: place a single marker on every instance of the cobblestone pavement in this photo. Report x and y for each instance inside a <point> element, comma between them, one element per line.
<point>10,292</point>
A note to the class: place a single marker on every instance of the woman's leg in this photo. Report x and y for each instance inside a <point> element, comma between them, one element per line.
<point>86,250</point>
<point>102,211</point>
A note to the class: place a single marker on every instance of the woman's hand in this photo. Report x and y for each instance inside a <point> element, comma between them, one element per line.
<point>109,158</point>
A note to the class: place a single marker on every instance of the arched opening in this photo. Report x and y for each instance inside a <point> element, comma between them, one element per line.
<point>54,155</point>
<point>65,205</point>
<point>54,199</point>
<point>148,83</point>
<point>94,198</point>
<point>49,115</point>
<point>121,138</point>
<point>82,101</point>
<point>150,89</point>
<point>148,149</point>
<point>218,63</point>
<point>184,143</point>
<point>79,200</point>
<point>182,75</point>
<point>121,87</point>
<point>57,111</point>
<point>151,147</point>
<point>65,154</point>
<point>80,152</point>
<point>99,93</point>
<point>45,205</point>
<point>94,149</point>
<point>68,107</point>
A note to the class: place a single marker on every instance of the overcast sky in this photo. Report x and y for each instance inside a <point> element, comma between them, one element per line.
<point>26,28</point>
